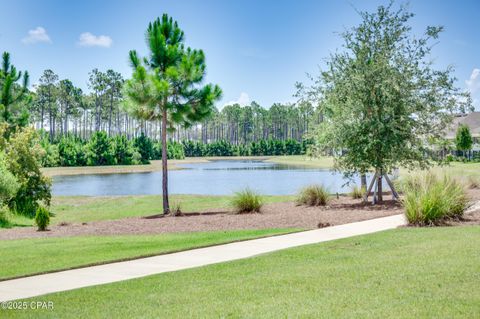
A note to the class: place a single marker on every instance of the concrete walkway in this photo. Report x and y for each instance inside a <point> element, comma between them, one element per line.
<point>108,273</point>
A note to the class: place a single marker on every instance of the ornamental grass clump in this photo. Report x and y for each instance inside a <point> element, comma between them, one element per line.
<point>357,192</point>
<point>430,199</point>
<point>313,195</point>
<point>247,201</point>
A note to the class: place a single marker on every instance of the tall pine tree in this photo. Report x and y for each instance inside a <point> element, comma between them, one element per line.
<point>167,85</point>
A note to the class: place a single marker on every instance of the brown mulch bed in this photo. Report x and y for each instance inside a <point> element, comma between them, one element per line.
<point>277,215</point>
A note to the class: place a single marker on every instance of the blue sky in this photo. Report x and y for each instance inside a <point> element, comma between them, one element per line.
<point>256,50</point>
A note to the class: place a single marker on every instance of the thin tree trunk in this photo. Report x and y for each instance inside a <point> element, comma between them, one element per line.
<point>41,116</point>
<point>363,181</point>
<point>166,206</point>
<point>66,123</point>
<point>110,116</point>
<point>379,186</point>
<point>51,126</point>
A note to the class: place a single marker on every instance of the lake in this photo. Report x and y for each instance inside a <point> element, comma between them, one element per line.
<point>212,178</point>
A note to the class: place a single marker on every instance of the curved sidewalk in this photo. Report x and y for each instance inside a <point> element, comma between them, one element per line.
<point>108,273</point>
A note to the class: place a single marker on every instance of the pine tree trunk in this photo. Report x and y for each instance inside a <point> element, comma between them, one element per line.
<point>110,116</point>
<point>51,126</point>
<point>41,117</point>
<point>166,206</point>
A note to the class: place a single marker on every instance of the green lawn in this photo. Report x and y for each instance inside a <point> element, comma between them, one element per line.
<point>73,209</point>
<point>461,169</point>
<point>403,273</point>
<point>454,168</point>
<point>30,256</point>
<point>302,160</point>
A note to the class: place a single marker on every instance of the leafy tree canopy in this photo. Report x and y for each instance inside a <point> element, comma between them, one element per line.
<point>382,97</point>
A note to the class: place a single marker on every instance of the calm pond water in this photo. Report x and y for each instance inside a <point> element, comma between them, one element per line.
<point>212,178</point>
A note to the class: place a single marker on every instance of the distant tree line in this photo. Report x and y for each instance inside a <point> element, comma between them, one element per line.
<point>100,149</point>
<point>62,109</point>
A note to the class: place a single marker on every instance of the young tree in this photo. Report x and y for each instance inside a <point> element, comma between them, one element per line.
<point>166,86</point>
<point>463,139</point>
<point>383,99</point>
<point>14,97</point>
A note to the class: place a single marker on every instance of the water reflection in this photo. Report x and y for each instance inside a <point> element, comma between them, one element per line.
<point>212,178</point>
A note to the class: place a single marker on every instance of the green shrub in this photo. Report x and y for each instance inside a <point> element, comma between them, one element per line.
<point>51,156</point>
<point>123,150</point>
<point>23,155</point>
<point>70,151</point>
<point>357,192</point>
<point>219,148</point>
<point>4,220</point>
<point>241,150</point>
<point>99,149</point>
<point>247,201</point>
<point>292,147</point>
<point>194,149</point>
<point>136,158</point>
<point>144,146</point>
<point>429,199</point>
<point>313,195</point>
<point>42,218</point>
<point>8,183</point>
<point>175,150</point>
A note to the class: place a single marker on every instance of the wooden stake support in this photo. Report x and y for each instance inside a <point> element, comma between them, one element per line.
<point>374,182</point>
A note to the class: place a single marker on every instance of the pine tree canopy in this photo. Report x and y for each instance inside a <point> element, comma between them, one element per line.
<point>169,78</point>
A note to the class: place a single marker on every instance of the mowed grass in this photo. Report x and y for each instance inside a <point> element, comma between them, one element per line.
<point>75,209</point>
<point>153,166</point>
<point>402,273</point>
<point>32,256</point>
<point>460,169</point>
<point>302,160</point>
<point>454,168</point>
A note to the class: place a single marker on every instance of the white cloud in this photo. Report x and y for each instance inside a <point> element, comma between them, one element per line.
<point>39,34</point>
<point>473,86</point>
<point>473,83</point>
<point>90,40</point>
<point>242,100</point>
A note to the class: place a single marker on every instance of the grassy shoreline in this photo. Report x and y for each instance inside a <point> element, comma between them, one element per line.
<point>156,165</point>
<point>456,168</point>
